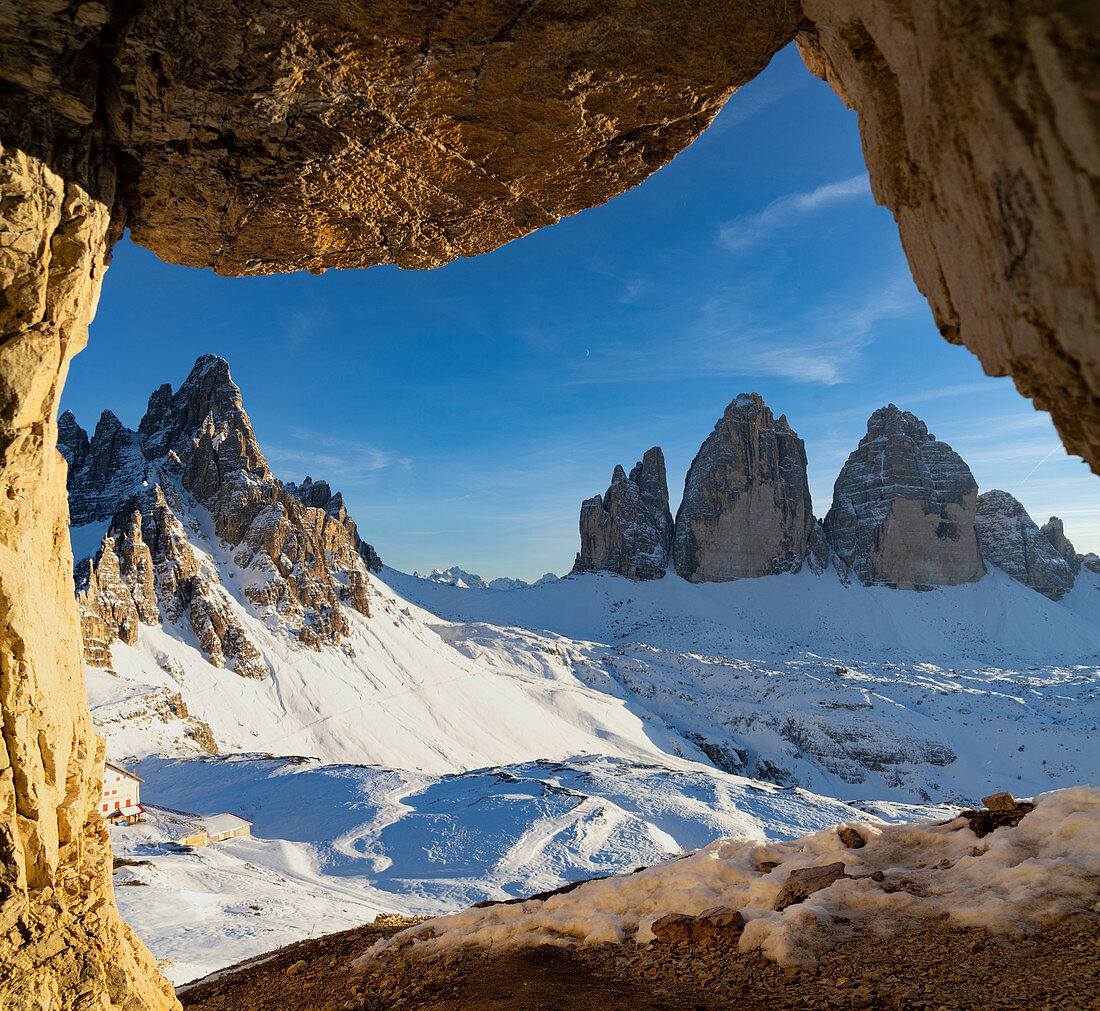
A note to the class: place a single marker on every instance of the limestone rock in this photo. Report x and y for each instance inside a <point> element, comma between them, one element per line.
<point>117,593</point>
<point>746,509</point>
<point>1054,531</point>
<point>716,922</point>
<point>196,447</point>
<point>62,942</point>
<point>101,472</point>
<point>851,838</point>
<point>979,125</point>
<point>903,508</point>
<point>269,137</point>
<point>318,495</point>
<point>1001,810</point>
<point>629,530</point>
<point>802,882</point>
<point>1091,561</point>
<point>817,546</point>
<point>1011,541</point>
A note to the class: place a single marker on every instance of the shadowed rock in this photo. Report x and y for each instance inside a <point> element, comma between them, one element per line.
<point>802,882</point>
<point>1055,533</point>
<point>980,127</point>
<point>746,509</point>
<point>903,508</point>
<point>629,530</point>
<point>1011,541</point>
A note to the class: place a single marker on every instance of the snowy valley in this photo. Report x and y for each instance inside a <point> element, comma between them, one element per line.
<point>419,744</point>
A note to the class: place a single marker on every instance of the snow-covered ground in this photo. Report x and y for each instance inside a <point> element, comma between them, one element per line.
<point>335,845</point>
<point>464,744</point>
<point>1014,881</point>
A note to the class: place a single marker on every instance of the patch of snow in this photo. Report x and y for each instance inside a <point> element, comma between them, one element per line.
<point>1015,881</point>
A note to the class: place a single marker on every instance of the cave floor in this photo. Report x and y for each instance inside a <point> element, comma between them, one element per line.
<point>933,966</point>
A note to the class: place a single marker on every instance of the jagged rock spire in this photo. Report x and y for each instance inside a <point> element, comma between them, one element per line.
<point>629,530</point>
<point>746,509</point>
<point>302,551</point>
<point>903,507</point>
<point>1011,540</point>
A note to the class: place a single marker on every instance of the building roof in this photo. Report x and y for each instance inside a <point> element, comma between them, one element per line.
<point>125,772</point>
<point>216,824</point>
<point>126,812</point>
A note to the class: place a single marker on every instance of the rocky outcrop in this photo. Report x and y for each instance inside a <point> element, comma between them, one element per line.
<point>102,471</point>
<point>117,593</point>
<point>1055,532</point>
<point>302,553</point>
<point>746,509</point>
<point>274,138</point>
<point>62,942</point>
<point>629,530</point>
<point>903,508</point>
<point>1011,541</point>
<point>318,495</point>
<point>979,126</point>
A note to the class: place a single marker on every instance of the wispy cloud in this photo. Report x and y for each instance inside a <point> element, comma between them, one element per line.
<point>751,229</point>
<point>341,462</point>
<point>822,346</point>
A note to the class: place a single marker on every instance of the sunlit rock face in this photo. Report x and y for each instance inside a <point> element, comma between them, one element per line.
<point>62,943</point>
<point>270,136</point>
<point>629,530</point>
<point>980,127</point>
<point>1011,540</point>
<point>903,508</point>
<point>746,509</point>
<point>195,459</point>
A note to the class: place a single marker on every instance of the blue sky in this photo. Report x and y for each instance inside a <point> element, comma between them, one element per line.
<point>465,412</point>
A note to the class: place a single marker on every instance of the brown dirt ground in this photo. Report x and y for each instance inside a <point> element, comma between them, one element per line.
<point>933,966</point>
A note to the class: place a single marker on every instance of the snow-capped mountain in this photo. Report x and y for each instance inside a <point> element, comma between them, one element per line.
<point>455,576</point>
<point>187,524</point>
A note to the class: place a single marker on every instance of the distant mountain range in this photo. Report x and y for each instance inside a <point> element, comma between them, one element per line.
<point>454,576</point>
<point>440,739</point>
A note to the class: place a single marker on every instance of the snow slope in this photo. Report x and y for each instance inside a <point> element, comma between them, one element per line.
<point>799,679</point>
<point>465,744</point>
<point>1014,881</point>
<point>335,845</point>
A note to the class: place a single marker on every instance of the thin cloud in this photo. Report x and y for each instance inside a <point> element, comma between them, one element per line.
<point>824,346</point>
<point>324,457</point>
<point>750,230</point>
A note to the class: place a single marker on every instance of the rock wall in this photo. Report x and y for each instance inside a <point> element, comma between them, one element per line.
<point>275,136</point>
<point>629,530</point>
<point>1055,533</point>
<point>1011,541</point>
<point>746,509</point>
<point>981,129</point>
<point>903,508</point>
<point>64,944</point>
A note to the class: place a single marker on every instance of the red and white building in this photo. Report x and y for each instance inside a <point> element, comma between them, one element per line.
<point>120,802</point>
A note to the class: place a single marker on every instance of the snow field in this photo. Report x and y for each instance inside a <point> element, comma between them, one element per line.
<point>1014,881</point>
<point>333,845</point>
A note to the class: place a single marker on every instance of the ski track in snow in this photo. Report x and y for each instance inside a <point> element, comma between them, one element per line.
<point>468,744</point>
